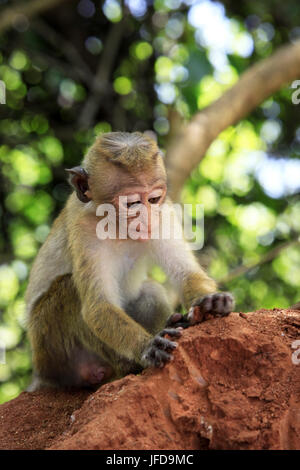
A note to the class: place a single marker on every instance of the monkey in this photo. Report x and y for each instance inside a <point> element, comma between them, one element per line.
<point>93,312</point>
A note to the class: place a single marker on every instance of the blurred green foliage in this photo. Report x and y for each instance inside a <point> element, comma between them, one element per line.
<point>170,55</point>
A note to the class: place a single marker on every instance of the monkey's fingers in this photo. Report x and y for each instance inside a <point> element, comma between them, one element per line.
<point>163,343</point>
<point>158,351</point>
<point>195,315</point>
<point>177,320</point>
<point>157,358</point>
<point>172,332</point>
<point>223,304</point>
<point>174,318</point>
<point>219,304</point>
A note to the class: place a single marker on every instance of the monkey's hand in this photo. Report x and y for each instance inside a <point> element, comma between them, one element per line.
<point>219,304</point>
<point>177,320</point>
<point>158,351</point>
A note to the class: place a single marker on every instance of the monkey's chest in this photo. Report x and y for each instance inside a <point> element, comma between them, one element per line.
<point>132,275</point>
<point>123,271</point>
<point>128,262</point>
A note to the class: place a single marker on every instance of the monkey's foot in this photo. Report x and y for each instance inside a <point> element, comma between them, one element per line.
<point>213,305</point>
<point>177,320</point>
<point>158,352</point>
<point>92,374</point>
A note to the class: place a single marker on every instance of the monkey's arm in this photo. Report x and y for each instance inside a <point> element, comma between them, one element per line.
<point>52,261</point>
<point>101,310</point>
<point>123,335</point>
<point>115,328</point>
<point>181,266</point>
<point>198,291</point>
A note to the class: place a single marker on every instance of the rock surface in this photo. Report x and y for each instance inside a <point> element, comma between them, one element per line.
<point>234,384</point>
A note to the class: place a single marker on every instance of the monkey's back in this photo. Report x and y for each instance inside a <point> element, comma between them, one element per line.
<point>53,260</point>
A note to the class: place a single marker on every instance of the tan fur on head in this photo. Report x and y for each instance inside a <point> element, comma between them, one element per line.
<point>118,159</point>
<point>128,149</point>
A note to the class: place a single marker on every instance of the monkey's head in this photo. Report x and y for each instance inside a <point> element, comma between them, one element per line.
<point>122,164</point>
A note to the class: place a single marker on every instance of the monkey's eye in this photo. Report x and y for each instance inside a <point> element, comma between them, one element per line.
<point>154,200</point>
<point>130,204</point>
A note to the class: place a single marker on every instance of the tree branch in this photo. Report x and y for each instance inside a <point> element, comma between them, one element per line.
<point>28,9</point>
<point>255,85</point>
<point>264,259</point>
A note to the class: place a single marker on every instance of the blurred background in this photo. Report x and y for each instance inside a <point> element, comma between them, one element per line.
<point>75,69</point>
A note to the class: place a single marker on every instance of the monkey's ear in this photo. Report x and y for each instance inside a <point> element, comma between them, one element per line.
<point>79,181</point>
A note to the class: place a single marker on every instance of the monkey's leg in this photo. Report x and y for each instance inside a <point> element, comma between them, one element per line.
<point>56,331</point>
<point>151,308</point>
<point>65,350</point>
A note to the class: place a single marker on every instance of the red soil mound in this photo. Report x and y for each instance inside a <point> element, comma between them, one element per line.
<point>233,384</point>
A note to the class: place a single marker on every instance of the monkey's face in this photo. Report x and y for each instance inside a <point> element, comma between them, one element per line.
<point>127,172</point>
<point>138,206</point>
